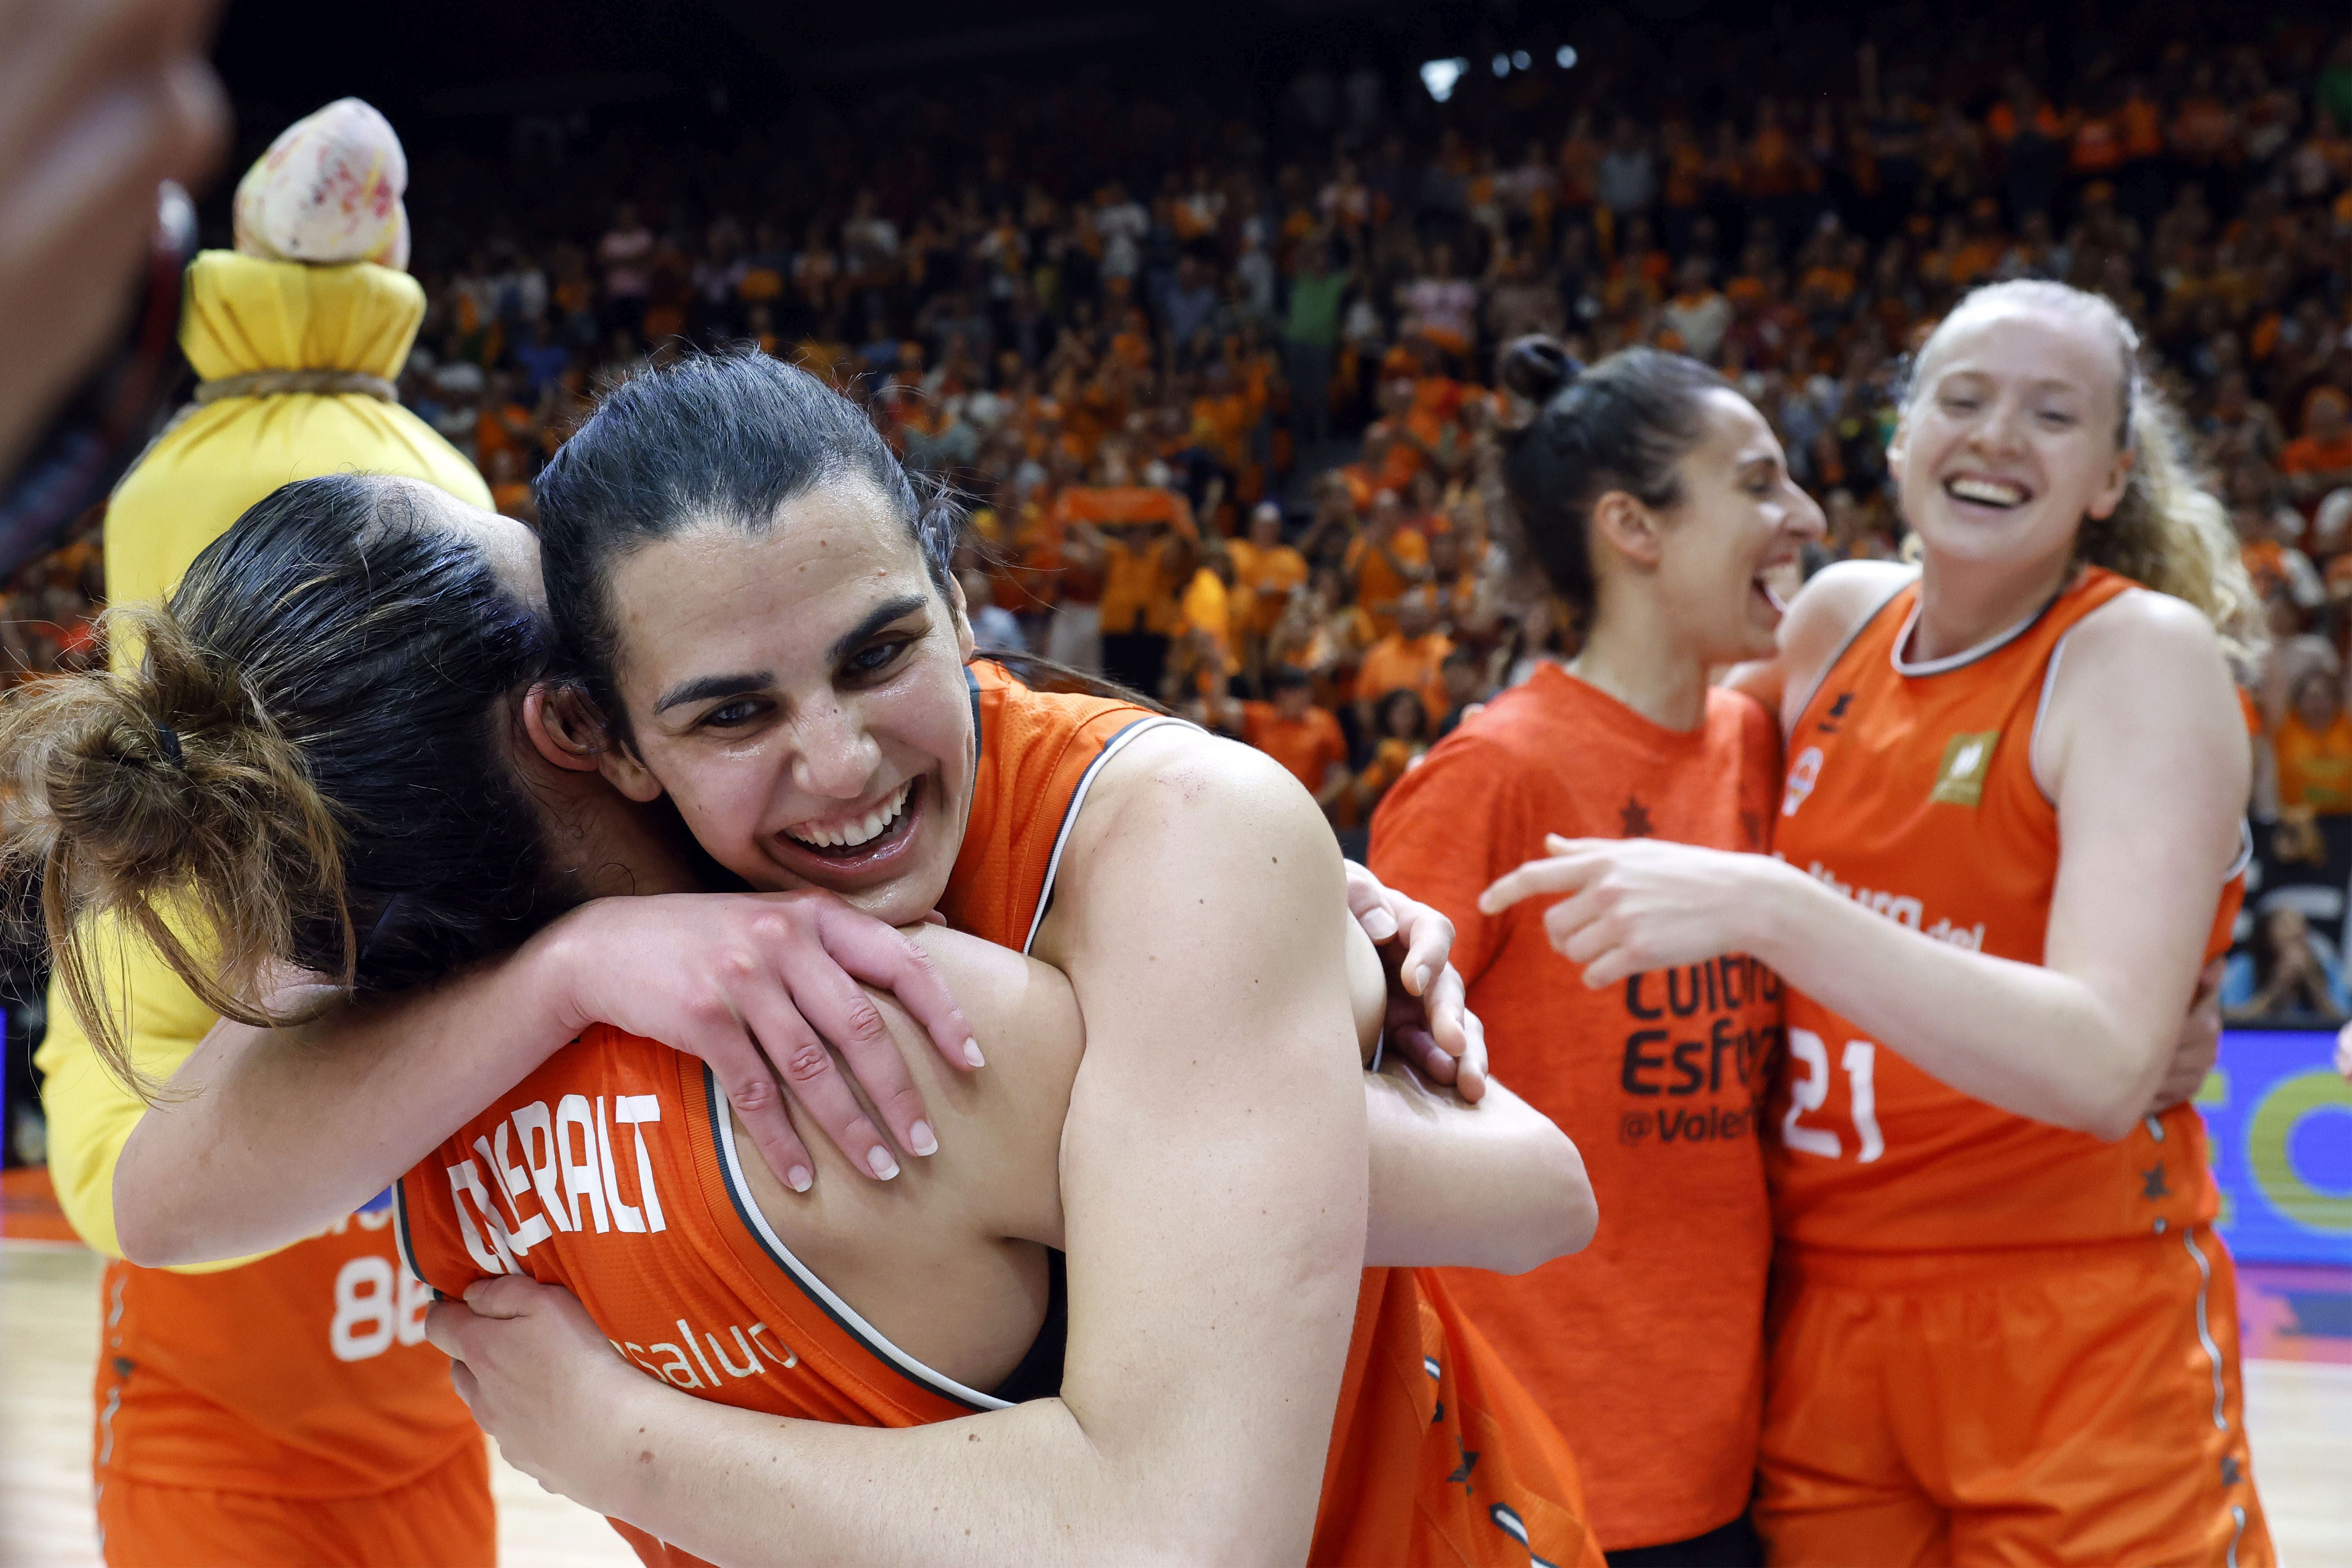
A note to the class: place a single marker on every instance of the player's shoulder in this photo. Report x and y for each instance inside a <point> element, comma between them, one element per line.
<point>1835,600</point>
<point>2143,619</point>
<point>1179,777</point>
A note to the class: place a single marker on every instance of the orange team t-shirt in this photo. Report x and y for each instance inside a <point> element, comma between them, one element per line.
<point>1307,747</point>
<point>1648,1346</point>
<point>1379,584</point>
<point>1269,574</point>
<point>2308,455</point>
<point>2314,766</point>
<point>1397,663</point>
<point>614,1171</point>
<point>1910,789</point>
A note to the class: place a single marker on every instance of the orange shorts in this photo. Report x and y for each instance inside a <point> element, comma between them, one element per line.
<point>2045,1405</point>
<point>441,1520</point>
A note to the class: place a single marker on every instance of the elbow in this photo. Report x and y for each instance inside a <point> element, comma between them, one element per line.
<point>1565,1216</point>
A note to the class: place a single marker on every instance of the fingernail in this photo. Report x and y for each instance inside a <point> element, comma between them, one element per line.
<point>971,1054</point>
<point>799,1179</point>
<point>1421,980</point>
<point>919,1137</point>
<point>1379,925</point>
<point>878,1160</point>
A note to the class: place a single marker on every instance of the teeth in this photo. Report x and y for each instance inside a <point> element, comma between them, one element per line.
<point>864,830</point>
<point>1991,493</point>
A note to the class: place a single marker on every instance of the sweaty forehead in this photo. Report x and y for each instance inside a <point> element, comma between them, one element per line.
<point>2018,341</point>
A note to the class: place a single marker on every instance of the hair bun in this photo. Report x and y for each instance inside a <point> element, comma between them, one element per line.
<point>1537,367</point>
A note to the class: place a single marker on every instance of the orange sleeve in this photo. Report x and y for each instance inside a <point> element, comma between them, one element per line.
<point>1432,834</point>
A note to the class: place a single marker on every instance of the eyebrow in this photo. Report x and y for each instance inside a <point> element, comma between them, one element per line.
<point>703,688</point>
<point>881,615</point>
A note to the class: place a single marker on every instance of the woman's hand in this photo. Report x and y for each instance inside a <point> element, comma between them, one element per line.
<point>1428,1021</point>
<point>1634,905</point>
<point>758,986</point>
<point>538,1376</point>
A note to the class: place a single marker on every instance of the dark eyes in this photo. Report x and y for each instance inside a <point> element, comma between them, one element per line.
<point>874,658</point>
<point>731,715</point>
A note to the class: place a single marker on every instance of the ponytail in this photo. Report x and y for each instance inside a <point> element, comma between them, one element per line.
<point>164,798</point>
<point>307,771</point>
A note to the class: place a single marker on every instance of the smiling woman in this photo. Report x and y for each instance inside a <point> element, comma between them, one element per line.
<point>2015,786</point>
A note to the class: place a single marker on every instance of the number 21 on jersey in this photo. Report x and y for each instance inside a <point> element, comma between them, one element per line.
<point>1811,1092</point>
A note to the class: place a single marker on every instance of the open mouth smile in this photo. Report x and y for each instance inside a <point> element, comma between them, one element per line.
<point>2002,495</point>
<point>860,837</point>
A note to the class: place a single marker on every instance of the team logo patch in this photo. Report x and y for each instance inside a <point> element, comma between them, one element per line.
<point>1967,759</point>
<point>1803,773</point>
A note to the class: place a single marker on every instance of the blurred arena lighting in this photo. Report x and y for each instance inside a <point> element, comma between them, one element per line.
<point>1502,65</point>
<point>1566,56</point>
<point>1519,60</point>
<point>1439,75</point>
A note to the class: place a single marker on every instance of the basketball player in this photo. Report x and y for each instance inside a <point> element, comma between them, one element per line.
<point>865,690</point>
<point>1656,501</point>
<point>2004,1327</point>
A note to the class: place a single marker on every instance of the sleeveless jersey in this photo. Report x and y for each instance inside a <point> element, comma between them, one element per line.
<point>303,1375</point>
<point>1910,789</point>
<point>614,1169</point>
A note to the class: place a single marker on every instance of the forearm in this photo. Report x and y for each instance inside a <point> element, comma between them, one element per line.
<point>2030,1039</point>
<point>1017,1487</point>
<point>1491,1185</point>
<point>350,1101</point>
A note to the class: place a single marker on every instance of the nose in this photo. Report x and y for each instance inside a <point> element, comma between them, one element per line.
<point>835,756</point>
<point>2000,430</point>
<point>1805,519</point>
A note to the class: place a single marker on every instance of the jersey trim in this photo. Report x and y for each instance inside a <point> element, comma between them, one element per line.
<point>1828,665</point>
<point>731,1166</point>
<point>1070,814</point>
<point>400,1238</point>
<point>1967,656</point>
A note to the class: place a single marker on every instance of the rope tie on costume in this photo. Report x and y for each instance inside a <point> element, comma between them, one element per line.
<point>279,383</point>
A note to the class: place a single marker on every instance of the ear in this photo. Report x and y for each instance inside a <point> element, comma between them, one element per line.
<point>566,730</point>
<point>1897,446</point>
<point>563,728</point>
<point>1630,528</point>
<point>2111,494</point>
<point>966,646</point>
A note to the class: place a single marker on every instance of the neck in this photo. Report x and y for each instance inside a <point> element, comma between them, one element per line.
<point>1633,654</point>
<point>1963,603</point>
<point>605,846</point>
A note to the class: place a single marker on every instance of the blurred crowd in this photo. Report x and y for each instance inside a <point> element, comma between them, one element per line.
<point>1218,396</point>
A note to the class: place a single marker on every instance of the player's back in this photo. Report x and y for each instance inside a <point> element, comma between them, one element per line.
<point>1910,788</point>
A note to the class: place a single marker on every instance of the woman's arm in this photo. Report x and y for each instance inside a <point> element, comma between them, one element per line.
<point>354,1099</point>
<point>1212,1195</point>
<point>2140,752</point>
<point>1495,1186</point>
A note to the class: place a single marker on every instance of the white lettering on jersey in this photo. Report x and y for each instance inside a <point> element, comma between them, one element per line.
<point>559,1172</point>
<point>1902,910</point>
<point>684,1362</point>
<point>579,1179</point>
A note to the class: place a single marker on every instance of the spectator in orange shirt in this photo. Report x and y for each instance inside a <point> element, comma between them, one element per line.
<point>2320,459</point>
<point>1385,559</point>
<point>1303,738</point>
<point>1265,570</point>
<point>1408,658</point>
<point>2314,745</point>
<point>1401,723</point>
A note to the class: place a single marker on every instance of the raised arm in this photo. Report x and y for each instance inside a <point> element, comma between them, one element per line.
<point>354,1099</point>
<point>1495,1186</point>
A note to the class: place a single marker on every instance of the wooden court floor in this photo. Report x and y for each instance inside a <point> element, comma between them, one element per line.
<point>2299,1415</point>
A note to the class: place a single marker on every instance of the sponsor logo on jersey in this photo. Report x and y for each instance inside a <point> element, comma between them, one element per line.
<point>1902,910</point>
<point>1968,760</point>
<point>1828,726</point>
<point>1803,773</point>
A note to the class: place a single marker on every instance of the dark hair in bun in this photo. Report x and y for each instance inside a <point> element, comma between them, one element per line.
<point>1626,424</point>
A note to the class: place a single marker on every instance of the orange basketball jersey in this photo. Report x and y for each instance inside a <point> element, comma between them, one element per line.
<point>303,1375</point>
<point>1909,788</point>
<point>614,1169</point>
